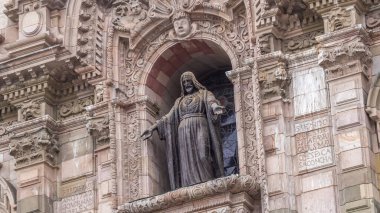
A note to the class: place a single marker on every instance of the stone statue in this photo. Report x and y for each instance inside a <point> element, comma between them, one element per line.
<point>191,131</point>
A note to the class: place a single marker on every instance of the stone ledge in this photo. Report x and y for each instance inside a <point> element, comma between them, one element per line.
<point>232,184</point>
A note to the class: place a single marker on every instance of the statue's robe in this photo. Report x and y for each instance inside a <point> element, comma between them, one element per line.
<point>193,145</point>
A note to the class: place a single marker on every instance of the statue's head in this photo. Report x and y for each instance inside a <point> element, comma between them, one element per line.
<point>135,8</point>
<point>182,23</point>
<point>189,83</point>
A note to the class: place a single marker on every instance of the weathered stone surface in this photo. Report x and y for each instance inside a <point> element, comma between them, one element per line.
<point>80,80</point>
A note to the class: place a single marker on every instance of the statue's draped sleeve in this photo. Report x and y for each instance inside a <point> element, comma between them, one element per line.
<point>167,131</point>
<point>216,142</point>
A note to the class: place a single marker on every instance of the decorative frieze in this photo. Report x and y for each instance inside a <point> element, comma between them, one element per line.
<point>74,107</point>
<point>33,147</point>
<point>351,47</point>
<point>301,42</point>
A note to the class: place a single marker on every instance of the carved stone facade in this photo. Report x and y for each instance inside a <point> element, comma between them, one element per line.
<point>81,79</point>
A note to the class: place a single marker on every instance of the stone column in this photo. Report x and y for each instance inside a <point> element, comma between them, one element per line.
<point>275,112</point>
<point>35,151</point>
<point>347,61</point>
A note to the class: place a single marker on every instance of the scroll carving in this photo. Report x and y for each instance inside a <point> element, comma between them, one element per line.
<point>34,146</point>
<point>234,33</point>
<point>132,153</point>
<point>74,107</point>
<point>301,42</point>
<point>233,184</point>
<point>133,15</point>
<point>249,126</point>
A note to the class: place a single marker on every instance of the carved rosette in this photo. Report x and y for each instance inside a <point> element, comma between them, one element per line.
<point>233,184</point>
<point>98,128</point>
<point>34,147</point>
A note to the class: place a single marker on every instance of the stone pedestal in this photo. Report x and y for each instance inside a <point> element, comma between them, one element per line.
<point>228,194</point>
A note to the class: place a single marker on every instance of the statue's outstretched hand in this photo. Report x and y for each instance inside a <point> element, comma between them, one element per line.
<point>147,134</point>
<point>218,109</point>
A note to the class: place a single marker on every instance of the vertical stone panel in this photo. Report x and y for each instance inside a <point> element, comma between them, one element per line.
<point>309,90</point>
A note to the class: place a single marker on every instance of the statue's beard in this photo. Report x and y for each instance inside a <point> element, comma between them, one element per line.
<point>189,89</point>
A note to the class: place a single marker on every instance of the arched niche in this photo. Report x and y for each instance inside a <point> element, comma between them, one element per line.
<point>373,104</point>
<point>147,75</point>
<point>8,202</point>
<point>209,62</point>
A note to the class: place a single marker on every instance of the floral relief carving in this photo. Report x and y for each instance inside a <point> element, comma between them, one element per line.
<point>301,42</point>
<point>30,110</point>
<point>351,48</point>
<point>234,33</point>
<point>233,184</point>
<point>132,155</point>
<point>131,15</point>
<point>34,146</point>
<point>74,107</point>
<point>249,126</point>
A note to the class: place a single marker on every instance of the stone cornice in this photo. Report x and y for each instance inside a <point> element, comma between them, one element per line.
<point>233,184</point>
<point>357,30</point>
<point>44,121</point>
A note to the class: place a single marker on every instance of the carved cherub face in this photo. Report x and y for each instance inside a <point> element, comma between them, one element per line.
<point>182,26</point>
<point>136,9</point>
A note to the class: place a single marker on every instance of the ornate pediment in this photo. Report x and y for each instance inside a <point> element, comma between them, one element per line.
<point>134,15</point>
